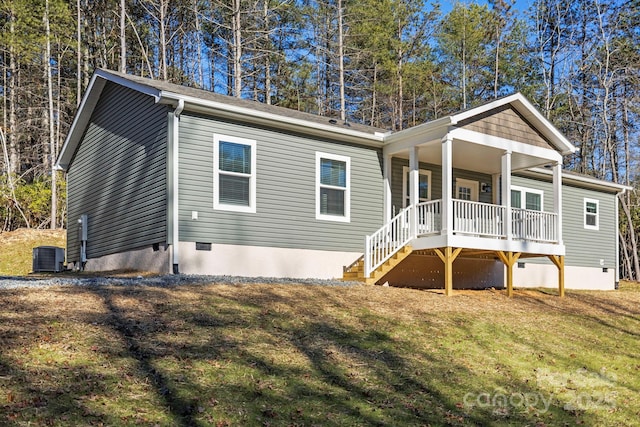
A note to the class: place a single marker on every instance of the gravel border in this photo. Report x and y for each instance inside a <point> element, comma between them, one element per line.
<point>169,280</point>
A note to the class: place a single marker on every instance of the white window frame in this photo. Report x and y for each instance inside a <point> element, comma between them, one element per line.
<point>597,214</point>
<point>523,196</point>
<point>405,197</point>
<point>346,189</point>
<point>217,138</point>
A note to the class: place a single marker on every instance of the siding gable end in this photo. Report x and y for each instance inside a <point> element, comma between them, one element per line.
<point>118,175</point>
<point>506,122</point>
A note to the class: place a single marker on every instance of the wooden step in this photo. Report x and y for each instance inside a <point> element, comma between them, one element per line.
<point>355,272</point>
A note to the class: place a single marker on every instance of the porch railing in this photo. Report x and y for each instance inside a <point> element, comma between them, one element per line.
<point>534,225</point>
<point>474,218</point>
<point>429,217</point>
<point>388,240</point>
<point>477,218</point>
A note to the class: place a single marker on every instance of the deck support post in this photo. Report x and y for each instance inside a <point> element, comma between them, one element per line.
<point>558,260</point>
<point>448,255</point>
<point>509,259</point>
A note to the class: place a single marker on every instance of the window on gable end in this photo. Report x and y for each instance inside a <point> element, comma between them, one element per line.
<point>591,214</point>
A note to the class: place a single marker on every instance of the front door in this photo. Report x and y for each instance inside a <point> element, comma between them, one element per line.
<point>467,189</point>
<point>464,217</point>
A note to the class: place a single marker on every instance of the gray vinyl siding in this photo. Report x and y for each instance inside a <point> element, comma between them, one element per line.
<point>118,175</point>
<point>285,203</point>
<point>397,165</point>
<point>584,247</point>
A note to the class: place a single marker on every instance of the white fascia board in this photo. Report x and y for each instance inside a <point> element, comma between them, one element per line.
<point>417,135</point>
<point>531,113</point>
<point>541,123</point>
<point>85,110</point>
<point>505,144</point>
<point>242,113</point>
<point>580,180</point>
<point>485,107</point>
<point>80,121</point>
<point>138,87</point>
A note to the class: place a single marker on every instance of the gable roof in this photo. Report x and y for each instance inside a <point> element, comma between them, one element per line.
<point>527,111</point>
<point>198,100</point>
<point>437,128</point>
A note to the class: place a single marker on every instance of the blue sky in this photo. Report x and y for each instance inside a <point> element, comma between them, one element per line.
<point>521,5</point>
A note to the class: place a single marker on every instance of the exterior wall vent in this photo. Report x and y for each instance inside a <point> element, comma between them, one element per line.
<point>48,259</point>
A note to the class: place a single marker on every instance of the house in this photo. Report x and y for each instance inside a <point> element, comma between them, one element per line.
<point>167,178</point>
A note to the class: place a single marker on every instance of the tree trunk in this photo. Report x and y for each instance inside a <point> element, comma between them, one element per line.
<point>343,111</point>
<point>78,54</point>
<point>12,133</point>
<point>374,94</point>
<point>52,139</point>
<point>237,49</point>
<point>123,38</point>
<point>267,60</point>
<point>196,14</point>
<point>163,39</point>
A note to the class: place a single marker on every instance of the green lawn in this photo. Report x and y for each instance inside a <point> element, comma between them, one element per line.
<point>16,248</point>
<point>287,355</point>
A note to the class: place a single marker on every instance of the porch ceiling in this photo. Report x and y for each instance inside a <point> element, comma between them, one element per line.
<point>475,157</point>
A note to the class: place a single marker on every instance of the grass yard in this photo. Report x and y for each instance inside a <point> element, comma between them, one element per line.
<point>289,355</point>
<point>16,248</point>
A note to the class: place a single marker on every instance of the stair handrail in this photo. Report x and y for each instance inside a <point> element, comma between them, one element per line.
<point>388,240</point>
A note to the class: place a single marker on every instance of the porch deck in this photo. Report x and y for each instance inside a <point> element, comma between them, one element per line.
<point>478,227</point>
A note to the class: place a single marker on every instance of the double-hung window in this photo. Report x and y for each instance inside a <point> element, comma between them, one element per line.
<point>591,214</point>
<point>333,178</point>
<point>526,198</point>
<point>234,174</point>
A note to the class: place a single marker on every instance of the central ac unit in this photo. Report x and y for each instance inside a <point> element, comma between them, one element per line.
<point>48,259</point>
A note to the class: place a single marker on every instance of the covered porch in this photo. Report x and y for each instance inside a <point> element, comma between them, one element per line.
<point>457,198</point>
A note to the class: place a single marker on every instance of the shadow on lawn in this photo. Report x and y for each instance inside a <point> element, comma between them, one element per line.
<point>253,356</point>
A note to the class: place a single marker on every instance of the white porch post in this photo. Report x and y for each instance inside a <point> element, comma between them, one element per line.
<point>506,194</point>
<point>495,184</point>
<point>447,179</point>
<point>386,173</point>
<point>414,182</point>
<point>557,197</point>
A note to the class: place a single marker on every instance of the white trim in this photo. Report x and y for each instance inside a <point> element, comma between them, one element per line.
<point>523,200</point>
<point>447,179</point>
<point>506,144</point>
<point>583,181</point>
<point>505,191</point>
<point>346,189</point>
<point>217,138</point>
<point>597,214</point>
<point>175,179</point>
<point>471,184</point>
<point>557,197</point>
<point>387,173</point>
<point>529,112</point>
<point>405,177</point>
